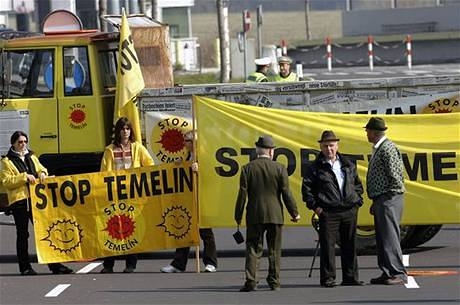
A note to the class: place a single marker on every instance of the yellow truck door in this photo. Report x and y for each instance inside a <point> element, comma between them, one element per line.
<point>30,104</point>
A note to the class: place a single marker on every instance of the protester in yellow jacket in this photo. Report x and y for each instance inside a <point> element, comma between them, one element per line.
<point>124,153</point>
<point>20,168</point>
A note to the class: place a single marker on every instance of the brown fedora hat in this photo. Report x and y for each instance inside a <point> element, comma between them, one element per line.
<point>376,123</point>
<point>328,136</point>
<point>265,141</point>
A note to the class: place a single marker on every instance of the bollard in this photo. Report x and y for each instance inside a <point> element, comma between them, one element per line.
<point>329,53</point>
<point>409,51</point>
<point>283,47</point>
<point>370,52</point>
<point>299,70</point>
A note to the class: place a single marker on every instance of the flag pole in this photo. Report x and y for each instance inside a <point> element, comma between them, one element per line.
<point>195,185</point>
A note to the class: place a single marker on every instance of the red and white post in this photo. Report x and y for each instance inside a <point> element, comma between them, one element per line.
<point>370,52</point>
<point>283,47</point>
<point>409,51</point>
<point>329,53</point>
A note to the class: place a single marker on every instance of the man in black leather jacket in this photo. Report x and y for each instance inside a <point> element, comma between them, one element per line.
<point>332,189</point>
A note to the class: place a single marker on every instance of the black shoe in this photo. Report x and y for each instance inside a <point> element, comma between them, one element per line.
<point>62,270</point>
<point>107,270</point>
<point>129,270</point>
<point>246,288</point>
<point>379,280</point>
<point>29,271</point>
<point>329,284</point>
<point>353,283</point>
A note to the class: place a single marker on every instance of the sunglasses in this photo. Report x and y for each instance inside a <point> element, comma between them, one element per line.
<point>22,141</point>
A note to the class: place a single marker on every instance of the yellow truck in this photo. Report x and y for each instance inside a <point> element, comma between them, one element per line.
<point>59,88</point>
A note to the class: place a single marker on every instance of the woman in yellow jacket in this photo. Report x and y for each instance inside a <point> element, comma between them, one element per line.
<point>124,153</point>
<point>20,167</point>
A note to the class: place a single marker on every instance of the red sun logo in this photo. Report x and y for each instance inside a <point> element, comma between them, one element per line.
<point>77,116</point>
<point>172,140</point>
<point>120,227</point>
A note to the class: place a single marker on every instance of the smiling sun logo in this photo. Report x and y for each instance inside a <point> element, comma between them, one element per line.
<point>64,235</point>
<point>120,227</point>
<point>177,221</point>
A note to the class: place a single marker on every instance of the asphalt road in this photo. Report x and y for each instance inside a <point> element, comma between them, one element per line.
<point>435,267</point>
<point>381,71</point>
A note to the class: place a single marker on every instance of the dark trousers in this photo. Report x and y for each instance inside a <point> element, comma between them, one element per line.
<point>22,214</point>
<point>130,261</point>
<point>209,251</point>
<point>331,224</point>
<point>254,251</point>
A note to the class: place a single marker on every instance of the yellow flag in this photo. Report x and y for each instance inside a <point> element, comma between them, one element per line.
<point>129,79</point>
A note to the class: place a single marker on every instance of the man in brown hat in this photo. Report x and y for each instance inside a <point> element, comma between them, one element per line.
<point>332,189</point>
<point>264,185</point>
<point>385,186</point>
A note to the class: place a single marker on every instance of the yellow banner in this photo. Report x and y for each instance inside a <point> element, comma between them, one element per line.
<point>95,215</point>
<point>129,79</point>
<point>226,134</point>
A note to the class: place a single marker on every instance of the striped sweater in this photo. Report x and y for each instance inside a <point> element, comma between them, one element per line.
<point>385,172</point>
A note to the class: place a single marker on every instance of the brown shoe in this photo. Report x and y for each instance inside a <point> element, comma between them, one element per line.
<point>394,281</point>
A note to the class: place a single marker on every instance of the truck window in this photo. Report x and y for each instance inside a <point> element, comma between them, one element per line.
<point>28,70</point>
<point>108,66</point>
<point>76,71</point>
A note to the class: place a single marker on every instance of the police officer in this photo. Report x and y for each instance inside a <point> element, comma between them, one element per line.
<point>260,75</point>
<point>285,74</point>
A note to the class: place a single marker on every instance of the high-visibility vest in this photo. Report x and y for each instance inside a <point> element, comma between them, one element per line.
<point>256,77</point>
<point>292,77</point>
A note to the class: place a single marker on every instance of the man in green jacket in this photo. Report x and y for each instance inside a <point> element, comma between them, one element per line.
<point>264,185</point>
<point>262,67</point>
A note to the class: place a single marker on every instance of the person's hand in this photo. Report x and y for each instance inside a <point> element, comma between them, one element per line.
<point>30,178</point>
<point>318,211</point>
<point>42,177</point>
<point>296,218</point>
<point>372,209</point>
<point>195,166</point>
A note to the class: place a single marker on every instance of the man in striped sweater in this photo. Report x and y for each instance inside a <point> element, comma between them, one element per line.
<point>385,186</point>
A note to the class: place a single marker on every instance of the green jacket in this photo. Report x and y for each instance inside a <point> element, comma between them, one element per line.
<point>292,77</point>
<point>257,77</point>
<point>264,184</point>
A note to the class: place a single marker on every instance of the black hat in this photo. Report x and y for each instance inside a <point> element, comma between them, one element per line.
<point>328,136</point>
<point>265,141</point>
<point>376,123</point>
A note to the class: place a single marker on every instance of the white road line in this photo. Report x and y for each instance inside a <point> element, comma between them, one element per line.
<point>57,290</point>
<point>89,267</point>
<point>411,283</point>
<point>406,260</point>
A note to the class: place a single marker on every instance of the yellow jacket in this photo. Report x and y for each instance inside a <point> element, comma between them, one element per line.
<point>139,155</point>
<point>14,182</point>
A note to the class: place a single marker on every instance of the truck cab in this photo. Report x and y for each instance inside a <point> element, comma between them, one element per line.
<point>59,88</point>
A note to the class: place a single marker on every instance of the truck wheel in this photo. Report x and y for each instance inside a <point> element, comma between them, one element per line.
<point>365,237</point>
<point>421,235</point>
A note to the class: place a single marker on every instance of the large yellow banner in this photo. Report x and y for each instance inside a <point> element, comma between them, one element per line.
<point>95,215</point>
<point>430,145</point>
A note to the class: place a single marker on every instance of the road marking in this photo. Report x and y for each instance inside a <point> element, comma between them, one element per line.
<point>89,267</point>
<point>411,283</point>
<point>406,260</point>
<point>57,290</point>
